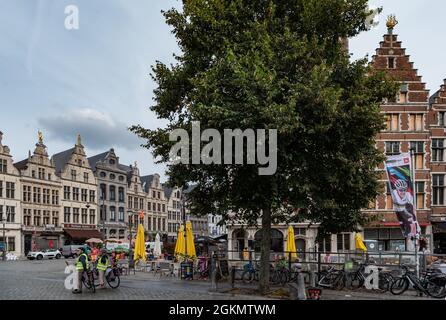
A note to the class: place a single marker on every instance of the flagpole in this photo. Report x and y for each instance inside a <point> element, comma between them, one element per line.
<point>415,239</point>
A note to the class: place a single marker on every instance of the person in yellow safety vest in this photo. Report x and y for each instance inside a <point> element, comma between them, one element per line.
<point>103,265</point>
<point>81,267</point>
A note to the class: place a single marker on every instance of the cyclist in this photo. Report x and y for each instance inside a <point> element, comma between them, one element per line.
<point>103,266</point>
<point>82,266</point>
<point>404,208</point>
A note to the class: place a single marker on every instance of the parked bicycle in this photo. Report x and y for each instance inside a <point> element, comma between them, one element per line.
<point>431,284</point>
<point>333,278</point>
<point>358,278</point>
<point>281,275</point>
<point>250,273</point>
<point>112,276</point>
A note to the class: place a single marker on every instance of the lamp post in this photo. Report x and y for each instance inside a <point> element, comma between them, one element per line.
<point>183,209</point>
<point>414,186</point>
<point>103,212</point>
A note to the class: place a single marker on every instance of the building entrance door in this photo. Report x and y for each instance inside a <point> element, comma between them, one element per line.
<point>28,243</point>
<point>300,247</point>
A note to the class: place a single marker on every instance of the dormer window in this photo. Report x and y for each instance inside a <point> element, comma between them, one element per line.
<point>391,63</point>
<point>111,161</point>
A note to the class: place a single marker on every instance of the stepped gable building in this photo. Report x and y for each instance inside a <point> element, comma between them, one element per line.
<point>112,191</point>
<point>406,128</point>
<point>136,196</point>
<point>438,168</point>
<point>156,218</point>
<point>10,204</point>
<point>41,190</point>
<point>79,198</point>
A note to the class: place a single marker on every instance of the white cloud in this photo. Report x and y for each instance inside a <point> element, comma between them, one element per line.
<point>98,129</point>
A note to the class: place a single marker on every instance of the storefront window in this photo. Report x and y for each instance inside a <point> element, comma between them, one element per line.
<point>397,245</point>
<point>389,239</point>
<point>276,241</point>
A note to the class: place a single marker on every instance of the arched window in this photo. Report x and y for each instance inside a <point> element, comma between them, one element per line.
<point>239,240</point>
<point>276,241</point>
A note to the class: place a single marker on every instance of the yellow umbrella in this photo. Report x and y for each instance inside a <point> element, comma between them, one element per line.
<point>180,247</point>
<point>140,248</point>
<point>359,243</point>
<point>190,246</point>
<point>291,245</point>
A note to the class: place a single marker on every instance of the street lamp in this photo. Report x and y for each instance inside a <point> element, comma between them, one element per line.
<point>103,211</point>
<point>183,209</point>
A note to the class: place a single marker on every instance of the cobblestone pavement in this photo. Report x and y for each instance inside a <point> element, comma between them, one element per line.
<point>44,280</point>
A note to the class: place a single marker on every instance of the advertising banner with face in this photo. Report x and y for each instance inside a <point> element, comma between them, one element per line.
<point>399,174</point>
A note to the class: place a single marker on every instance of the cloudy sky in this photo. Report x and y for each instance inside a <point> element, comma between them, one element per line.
<point>95,80</point>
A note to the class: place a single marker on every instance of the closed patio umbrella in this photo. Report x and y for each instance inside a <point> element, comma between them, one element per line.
<point>157,248</point>
<point>140,248</point>
<point>190,246</point>
<point>180,248</point>
<point>359,243</point>
<point>291,244</point>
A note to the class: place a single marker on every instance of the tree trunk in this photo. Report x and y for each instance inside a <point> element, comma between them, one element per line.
<point>265,251</point>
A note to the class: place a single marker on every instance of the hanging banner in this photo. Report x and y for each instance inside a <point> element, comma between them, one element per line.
<point>399,174</point>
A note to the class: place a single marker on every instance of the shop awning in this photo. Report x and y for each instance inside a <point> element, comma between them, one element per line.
<point>80,234</point>
<point>397,224</point>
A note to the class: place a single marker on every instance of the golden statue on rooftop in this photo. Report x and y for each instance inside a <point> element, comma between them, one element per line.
<point>391,21</point>
<point>79,139</point>
<point>40,136</point>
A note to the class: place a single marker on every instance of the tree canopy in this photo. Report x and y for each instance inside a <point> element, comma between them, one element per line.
<point>270,64</point>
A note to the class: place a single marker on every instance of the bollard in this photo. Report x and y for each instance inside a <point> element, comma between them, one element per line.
<point>301,294</point>
<point>214,273</point>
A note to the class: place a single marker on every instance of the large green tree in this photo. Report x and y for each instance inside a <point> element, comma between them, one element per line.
<point>269,64</point>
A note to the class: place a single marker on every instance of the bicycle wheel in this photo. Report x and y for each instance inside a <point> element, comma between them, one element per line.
<point>328,279</point>
<point>89,282</point>
<point>115,281</point>
<point>247,276</point>
<point>399,285</point>
<point>384,282</point>
<point>357,281</point>
<point>340,282</point>
<point>275,277</point>
<point>283,278</point>
<point>434,289</point>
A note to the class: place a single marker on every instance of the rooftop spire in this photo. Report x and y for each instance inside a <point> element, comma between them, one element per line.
<point>40,137</point>
<point>391,23</point>
<point>79,141</point>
